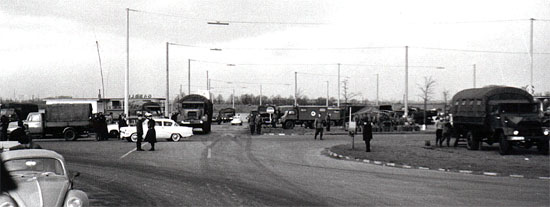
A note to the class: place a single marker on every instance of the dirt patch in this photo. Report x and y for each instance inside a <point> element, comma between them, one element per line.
<point>410,150</point>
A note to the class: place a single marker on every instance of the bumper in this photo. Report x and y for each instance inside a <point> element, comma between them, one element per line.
<point>528,138</point>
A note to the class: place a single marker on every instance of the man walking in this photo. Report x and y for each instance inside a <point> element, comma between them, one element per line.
<point>367,133</point>
<point>151,136</point>
<point>318,123</point>
<point>252,123</point>
<point>139,127</point>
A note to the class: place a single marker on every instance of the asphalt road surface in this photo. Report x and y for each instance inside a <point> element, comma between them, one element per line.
<point>228,167</point>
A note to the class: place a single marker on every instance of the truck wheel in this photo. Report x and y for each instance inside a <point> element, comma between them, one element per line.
<point>69,135</point>
<point>504,145</point>
<point>289,125</point>
<point>175,137</point>
<point>542,147</point>
<point>472,141</point>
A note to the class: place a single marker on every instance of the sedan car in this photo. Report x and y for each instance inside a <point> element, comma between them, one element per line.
<point>165,129</point>
<point>41,178</point>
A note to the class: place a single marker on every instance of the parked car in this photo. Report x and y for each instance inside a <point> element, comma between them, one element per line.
<point>236,120</point>
<point>113,129</point>
<point>165,129</point>
<point>42,180</point>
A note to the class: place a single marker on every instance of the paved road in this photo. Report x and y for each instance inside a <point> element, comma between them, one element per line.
<point>228,167</point>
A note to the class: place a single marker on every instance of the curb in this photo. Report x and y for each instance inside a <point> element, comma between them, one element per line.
<point>405,166</point>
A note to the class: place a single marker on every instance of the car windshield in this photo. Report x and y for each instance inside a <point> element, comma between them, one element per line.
<point>518,108</point>
<point>192,106</point>
<point>39,165</point>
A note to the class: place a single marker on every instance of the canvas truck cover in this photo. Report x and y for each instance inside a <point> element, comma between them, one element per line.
<point>68,112</point>
<point>309,113</point>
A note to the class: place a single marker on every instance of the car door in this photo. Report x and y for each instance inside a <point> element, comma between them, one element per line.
<point>160,130</point>
<point>169,128</point>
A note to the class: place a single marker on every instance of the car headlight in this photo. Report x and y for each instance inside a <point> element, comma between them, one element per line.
<point>74,202</point>
<point>546,132</point>
<point>516,132</point>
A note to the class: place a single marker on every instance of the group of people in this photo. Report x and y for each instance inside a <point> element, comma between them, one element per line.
<point>255,123</point>
<point>151,135</point>
<point>99,123</point>
<point>443,131</point>
<point>4,123</point>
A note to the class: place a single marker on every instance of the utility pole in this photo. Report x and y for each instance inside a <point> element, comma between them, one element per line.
<point>233,98</point>
<point>531,56</point>
<point>377,84</point>
<point>327,93</point>
<point>127,72</point>
<point>100,68</point>
<point>188,76</point>
<point>167,105</point>
<point>474,75</point>
<point>207,80</point>
<point>406,81</point>
<point>260,94</point>
<point>295,88</point>
<point>338,103</point>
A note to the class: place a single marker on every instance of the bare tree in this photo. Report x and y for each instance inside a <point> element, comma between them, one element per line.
<point>427,92</point>
<point>345,93</point>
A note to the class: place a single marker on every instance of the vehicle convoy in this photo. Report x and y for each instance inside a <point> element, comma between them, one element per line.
<point>225,115</point>
<point>302,115</point>
<point>42,179</point>
<point>67,120</point>
<point>496,114</point>
<point>166,129</point>
<point>195,111</point>
<point>14,110</point>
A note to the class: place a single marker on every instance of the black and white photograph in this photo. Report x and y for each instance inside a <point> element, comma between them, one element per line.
<point>274,103</point>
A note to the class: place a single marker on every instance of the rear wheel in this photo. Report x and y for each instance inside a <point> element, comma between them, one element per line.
<point>473,141</point>
<point>289,125</point>
<point>504,147</point>
<point>69,135</point>
<point>175,137</point>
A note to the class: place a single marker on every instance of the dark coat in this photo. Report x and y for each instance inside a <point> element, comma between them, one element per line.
<point>367,131</point>
<point>139,126</point>
<point>151,135</point>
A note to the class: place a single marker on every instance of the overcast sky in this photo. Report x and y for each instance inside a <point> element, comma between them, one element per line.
<point>47,48</point>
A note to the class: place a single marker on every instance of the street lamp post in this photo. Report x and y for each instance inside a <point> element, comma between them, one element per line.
<point>167,105</point>
<point>188,76</point>
<point>295,88</point>
<point>127,72</point>
<point>338,103</point>
<point>377,84</point>
<point>406,82</point>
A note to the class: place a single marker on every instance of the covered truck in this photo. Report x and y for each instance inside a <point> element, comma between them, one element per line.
<point>302,115</point>
<point>497,114</point>
<point>195,111</point>
<point>67,120</point>
<point>225,115</point>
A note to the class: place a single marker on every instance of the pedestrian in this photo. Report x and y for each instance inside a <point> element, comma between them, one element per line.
<point>318,123</point>
<point>258,120</point>
<point>252,123</point>
<point>139,128</point>
<point>328,122</point>
<point>4,122</point>
<point>103,127</point>
<point>446,132</point>
<point>122,121</point>
<point>367,133</point>
<point>438,130</point>
<point>151,136</point>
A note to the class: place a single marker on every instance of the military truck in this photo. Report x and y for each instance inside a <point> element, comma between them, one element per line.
<point>336,116</point>
<point>302,115</point>
<point>497,114</point>
<point>67,120</point>
<point>225,115</point>
<point>195,111</point>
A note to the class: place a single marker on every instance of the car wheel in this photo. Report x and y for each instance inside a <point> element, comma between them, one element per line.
<point>133,137</point>
<point>113,134</point>
<point>175,137</point>
<point>504,147</point>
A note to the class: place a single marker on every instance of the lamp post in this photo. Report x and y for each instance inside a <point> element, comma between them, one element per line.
<point>327,93</point>
<point>377,84</point>
<point>295,88</point>
<point>167,105</point>
<point>406,114</point>
<point>127,72</point>
<point>338,103</point>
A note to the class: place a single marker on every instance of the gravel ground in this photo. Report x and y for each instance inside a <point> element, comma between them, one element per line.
<point>409,149</point>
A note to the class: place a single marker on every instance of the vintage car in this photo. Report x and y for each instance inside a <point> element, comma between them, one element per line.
<point>165,129</point>
<point>42,180</point>
<point>236,120</point>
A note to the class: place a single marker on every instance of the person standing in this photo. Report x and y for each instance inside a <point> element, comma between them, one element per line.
<point>5,122</point>
<point>438,131</point>
<point>446,135</point>
<point>151,136</point>
<point>318,123</point>
<point>328,122</point>
<point>252,123</point>
<point>258,124</point>
<point>139,128</point>
<point>367,134</point>
<point>103,126</point>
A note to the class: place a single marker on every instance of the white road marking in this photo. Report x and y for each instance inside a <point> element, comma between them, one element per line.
<point>209,153</point>
<point>123,156</point>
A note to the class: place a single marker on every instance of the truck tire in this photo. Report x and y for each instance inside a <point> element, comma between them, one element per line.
<point>289,125</point>
<point>473,142</point>
<point>69,134</point>
<point>542,147</point>
<point>504,146</point>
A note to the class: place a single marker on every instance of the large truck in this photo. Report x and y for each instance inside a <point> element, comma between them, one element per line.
<point>302,115</point>
<point>497,114</point>
<point>195,111</point>
<point>66,120</point>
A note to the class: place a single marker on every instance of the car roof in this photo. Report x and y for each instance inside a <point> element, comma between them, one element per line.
<point>29,153</point>
<point>162,119</point>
